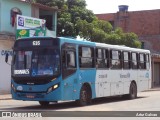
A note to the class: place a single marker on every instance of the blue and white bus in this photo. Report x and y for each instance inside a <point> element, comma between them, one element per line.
<point>49,69</point>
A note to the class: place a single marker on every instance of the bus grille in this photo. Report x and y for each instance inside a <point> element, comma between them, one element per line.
<point>31,95</point>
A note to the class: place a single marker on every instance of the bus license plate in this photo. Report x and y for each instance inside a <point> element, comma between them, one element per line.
<point>30,96</point>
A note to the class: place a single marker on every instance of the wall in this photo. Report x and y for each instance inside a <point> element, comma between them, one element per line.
<point>35,11</point>
<point>146,24</point>
<point>5,69</point>
<point>6,6</point>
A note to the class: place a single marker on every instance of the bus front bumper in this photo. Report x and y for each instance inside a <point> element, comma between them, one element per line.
<point>52,96</point>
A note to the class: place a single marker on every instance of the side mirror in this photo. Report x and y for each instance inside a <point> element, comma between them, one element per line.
<point>6,58</point>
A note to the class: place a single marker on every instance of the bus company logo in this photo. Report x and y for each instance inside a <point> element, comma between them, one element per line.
<point>103,76</point>
<point>20,21</point>
<point>21,71</point>
<point>125,76</point>
<point>20,88</point>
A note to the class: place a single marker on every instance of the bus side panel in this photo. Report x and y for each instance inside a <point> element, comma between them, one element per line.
<point>114,82</point>
<point>127,77</point>
<point>102,83</point>
<point>88,76</point>
<point>144,78</point>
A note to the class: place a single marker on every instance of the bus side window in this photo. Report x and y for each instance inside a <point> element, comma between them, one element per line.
<point>99,58</point>
<point>115,59</point>
<point>147,61</point>
<point>141,61</point>
<point>106,58</point>
<point>134,60</point>
<point>126,60</point>
<point>86,57</point>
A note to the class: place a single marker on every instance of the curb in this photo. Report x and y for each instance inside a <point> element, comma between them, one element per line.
<point>5,97</point>
<point>153,89</point>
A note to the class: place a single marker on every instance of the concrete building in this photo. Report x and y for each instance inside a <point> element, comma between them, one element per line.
<point>146,24</point>
<point>8,11</point>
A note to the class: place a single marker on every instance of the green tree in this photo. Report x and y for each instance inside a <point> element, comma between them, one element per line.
<point>74,19</point>
<point>71,12</point>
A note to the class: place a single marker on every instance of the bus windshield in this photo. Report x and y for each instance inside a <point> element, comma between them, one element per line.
<point>43,62</point>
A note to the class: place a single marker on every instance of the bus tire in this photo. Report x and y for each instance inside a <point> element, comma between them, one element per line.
<point>133,91</point>
<point>43,103</point>
<point>85,96</point>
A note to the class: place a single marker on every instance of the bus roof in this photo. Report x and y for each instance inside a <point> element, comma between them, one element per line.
<point>104,45</point>
<point>121,47</point>
<point>85,42</point>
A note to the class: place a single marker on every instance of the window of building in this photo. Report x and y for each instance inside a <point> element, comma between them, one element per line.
<point>14,12</point>
<point>86,57</point>
<point>142,45</point>
<point>49,21</point>
<point>112,23</point>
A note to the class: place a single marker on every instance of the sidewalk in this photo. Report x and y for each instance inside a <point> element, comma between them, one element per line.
<point>9,97</point>
<point>155,89</point>
<point>5,97</point>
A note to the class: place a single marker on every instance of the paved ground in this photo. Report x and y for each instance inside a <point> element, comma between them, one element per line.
<point>146,101</point>
<point>8,96</point>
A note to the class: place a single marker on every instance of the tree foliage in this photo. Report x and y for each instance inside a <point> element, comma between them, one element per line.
<point>74,19</point>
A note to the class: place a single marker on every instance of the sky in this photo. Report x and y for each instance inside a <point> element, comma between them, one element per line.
<point>111,6</point>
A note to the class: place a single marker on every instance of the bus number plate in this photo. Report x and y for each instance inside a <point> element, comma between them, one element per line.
<point>30,96</point>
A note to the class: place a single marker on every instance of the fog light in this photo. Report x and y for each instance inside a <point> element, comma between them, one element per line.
<point>49,90</point>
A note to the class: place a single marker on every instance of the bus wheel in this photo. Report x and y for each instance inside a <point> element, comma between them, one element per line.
<point>43,103</point>
<point>85,96</point>
<point>133,91</point>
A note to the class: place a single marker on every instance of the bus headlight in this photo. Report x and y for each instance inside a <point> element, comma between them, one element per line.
<point>55,86</point>
<point>52,88</point>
